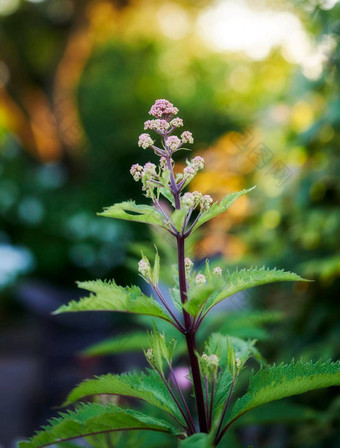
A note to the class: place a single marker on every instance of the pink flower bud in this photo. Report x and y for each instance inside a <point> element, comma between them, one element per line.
<point>187,137</point>
<point>163,109</point>
<point>145,141</point>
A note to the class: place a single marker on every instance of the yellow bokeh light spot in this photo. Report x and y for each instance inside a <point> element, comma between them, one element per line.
<point>302,116</point>
<point>271,219</point>
<point>297,156</point>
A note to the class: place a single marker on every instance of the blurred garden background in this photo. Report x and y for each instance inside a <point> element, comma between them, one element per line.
<point>257,82</point>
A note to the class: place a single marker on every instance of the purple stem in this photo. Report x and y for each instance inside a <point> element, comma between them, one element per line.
<point>219,436</point>
<point>182,398</point>
<point>164,302</point>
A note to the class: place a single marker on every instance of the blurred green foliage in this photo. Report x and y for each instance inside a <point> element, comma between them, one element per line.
<point>48,205</point>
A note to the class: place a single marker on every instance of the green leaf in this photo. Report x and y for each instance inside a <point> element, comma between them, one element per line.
<point>178,217</point>
<point>278,412</point>
<point>156,266</point>
<point>239,281</point>
<point>92,419</point>
<point>107,296</point>
<point>137,213</point>
<point>276,382</point>
<point>199,440</point>
<point>218,208</point>
<point>131,342</point>
<point>168,195</point>
<point>146,386</point>
<point>176,298</point>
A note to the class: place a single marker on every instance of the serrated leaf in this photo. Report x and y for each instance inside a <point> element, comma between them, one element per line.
<point>220,207</point>
<point>239,281</point>
<point>146,386</point>
<point>131,342</point>
<point>277,382</point>
<point>92,419</point>
<point>130,211</point>
<point>278,412</point>
<point>107,296</point>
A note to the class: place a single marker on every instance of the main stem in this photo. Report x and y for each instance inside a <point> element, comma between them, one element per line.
<point>191,339</point>
<point>189,331</point>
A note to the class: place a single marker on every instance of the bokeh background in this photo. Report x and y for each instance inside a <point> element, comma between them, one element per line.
<point>257,82</point>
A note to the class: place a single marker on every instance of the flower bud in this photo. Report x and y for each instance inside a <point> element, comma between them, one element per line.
<point>206,202</point>
<point>187,137</point>
<point>188,265</point>
<point>163,109</point>
<point>217,271</point>
<point>197,163</point>
<point>173,143</point>
<point>136,171</point>
<point>149,170</point>
<point>145,141</point>
<point>157,125</point>
<point>188,200</point>
<point>200,279</point>
<point>176,122</point>
<point>188,171</point>
<point>144,268</point>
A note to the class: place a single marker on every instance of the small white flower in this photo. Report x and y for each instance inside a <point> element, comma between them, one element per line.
<point>217,271</point>
<point>200,279</point>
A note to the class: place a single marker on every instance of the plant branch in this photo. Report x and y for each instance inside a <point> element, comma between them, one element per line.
<point>219,436</point>
<point>165,304</point>
<point>182,397</point>
<point>175,401</point>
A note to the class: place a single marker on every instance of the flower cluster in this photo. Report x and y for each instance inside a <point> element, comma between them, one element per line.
<point>145,141</point>
<point>160,126</point>
<point>163,109</point>
<point>200,279</point>
<point>173,143</point>
<point>176,122</point>
<point>187,137</point>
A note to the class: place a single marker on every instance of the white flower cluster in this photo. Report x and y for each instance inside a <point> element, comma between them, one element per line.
<point>176,122</point>
<point>173,143</point>
<point>217,271</point>
<point>145,141</point>
<point>157,125</point>
<point>187,137</point>
<point>200,279</point>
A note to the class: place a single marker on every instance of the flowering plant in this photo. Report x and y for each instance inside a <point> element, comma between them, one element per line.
<point>206,416</point>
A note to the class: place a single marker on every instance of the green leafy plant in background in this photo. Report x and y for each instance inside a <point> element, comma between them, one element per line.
<point>217,363</point>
